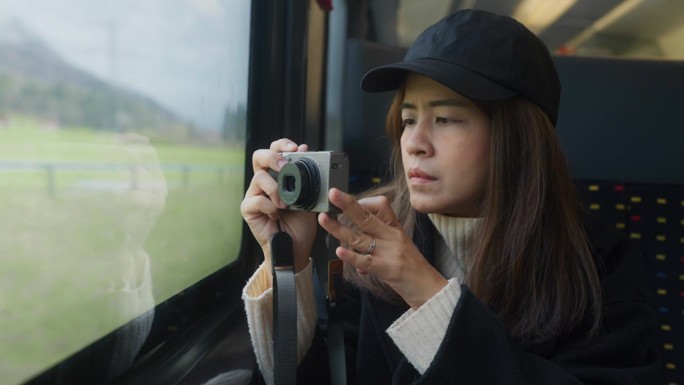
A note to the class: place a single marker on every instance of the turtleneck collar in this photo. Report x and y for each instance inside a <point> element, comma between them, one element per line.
<point>450,252</point>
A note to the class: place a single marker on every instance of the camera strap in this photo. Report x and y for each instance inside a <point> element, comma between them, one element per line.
<point>284,310</point>
<point>330,275</point>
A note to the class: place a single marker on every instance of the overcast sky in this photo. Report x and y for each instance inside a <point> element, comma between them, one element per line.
<point>189,55</point>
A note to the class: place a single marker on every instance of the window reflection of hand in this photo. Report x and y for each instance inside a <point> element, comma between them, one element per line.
<point>146,198</point>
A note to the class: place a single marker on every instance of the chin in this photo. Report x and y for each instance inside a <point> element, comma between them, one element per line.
<point>429,205</point>
<point>425,206</point>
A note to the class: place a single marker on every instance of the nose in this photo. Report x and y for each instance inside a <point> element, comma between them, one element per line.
<point>417,140</point>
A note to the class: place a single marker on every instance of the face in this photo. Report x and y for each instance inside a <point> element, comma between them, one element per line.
<point>444,148</point>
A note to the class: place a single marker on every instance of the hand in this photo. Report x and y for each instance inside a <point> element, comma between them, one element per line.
<point>261,207</point>
<point>379,246</point>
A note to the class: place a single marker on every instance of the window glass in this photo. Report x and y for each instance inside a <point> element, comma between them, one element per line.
<point>122,128</point>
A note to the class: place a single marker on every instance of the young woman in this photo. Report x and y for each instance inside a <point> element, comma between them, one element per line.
<point>476,264</point>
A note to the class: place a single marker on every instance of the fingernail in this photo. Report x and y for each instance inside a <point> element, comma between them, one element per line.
<point>291,146</point>
<point>341,252</point>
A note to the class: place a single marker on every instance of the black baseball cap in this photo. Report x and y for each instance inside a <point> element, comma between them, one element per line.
<point>480,55</point>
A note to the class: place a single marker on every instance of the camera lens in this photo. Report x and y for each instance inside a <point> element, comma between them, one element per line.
<point>289,183</point>
<point>299,183</point>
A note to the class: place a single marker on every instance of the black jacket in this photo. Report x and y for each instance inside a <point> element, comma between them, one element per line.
<point>478,350</point>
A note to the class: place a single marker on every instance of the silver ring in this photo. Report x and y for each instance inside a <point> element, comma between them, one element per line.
<point>371,247</point>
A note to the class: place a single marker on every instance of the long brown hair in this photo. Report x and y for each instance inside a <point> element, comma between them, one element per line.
<point>530,259</point>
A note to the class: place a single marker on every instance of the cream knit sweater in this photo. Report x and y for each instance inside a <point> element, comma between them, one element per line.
<point>417,333</point>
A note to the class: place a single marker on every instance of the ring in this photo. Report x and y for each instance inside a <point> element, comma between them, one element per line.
<point>371,247</point>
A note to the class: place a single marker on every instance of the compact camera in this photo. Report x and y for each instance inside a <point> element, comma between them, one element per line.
<point>304,182</point>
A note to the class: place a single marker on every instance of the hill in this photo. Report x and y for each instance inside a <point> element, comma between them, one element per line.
<point>36,81</point>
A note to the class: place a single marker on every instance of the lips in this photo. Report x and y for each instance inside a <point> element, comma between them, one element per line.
<point>418,175</point>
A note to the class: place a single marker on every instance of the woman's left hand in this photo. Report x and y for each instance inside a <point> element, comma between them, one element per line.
<point>379,246</point>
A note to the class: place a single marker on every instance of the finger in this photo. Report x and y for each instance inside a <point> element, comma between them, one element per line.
<point>271,158</point>
<point>361,262</point>
<point>352,238</point>
<point>381,207</point>
<point>358,214</point>
<point>303,148</point>
<point>267,159</point>
<point>283,145</point>
<point>256,206</point>
<point>261,184</point>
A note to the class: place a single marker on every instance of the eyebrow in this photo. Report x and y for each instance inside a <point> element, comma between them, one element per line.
<point>437,103</point>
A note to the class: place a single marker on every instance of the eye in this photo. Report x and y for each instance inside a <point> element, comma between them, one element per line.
<point>407,122</point>
<point>446,121</point>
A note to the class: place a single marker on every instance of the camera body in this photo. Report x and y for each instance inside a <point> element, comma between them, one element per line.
<point>304,182</point>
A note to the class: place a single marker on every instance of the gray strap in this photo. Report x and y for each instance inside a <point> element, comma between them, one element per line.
<point>284,311</point>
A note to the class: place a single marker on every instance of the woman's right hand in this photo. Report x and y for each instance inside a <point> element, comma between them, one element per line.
<point>262,207</point>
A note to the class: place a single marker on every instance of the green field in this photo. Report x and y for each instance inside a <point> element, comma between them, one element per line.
<point>83,213</point>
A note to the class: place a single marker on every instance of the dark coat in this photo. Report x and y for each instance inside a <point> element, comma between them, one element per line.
<point>478,350</point>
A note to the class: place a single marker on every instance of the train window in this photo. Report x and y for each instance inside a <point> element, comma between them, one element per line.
<point>122,129</point>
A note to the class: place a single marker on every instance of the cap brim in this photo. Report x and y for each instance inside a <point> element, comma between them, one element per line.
<point>461,80</point>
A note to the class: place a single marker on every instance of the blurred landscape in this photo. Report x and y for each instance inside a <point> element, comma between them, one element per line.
<point>92,176</point>
<point>35,81</point>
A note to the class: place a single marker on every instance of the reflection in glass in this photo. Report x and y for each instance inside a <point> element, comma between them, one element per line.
<point>121,167</point>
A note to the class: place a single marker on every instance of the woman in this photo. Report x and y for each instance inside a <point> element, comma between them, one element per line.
<point>475,265</point>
